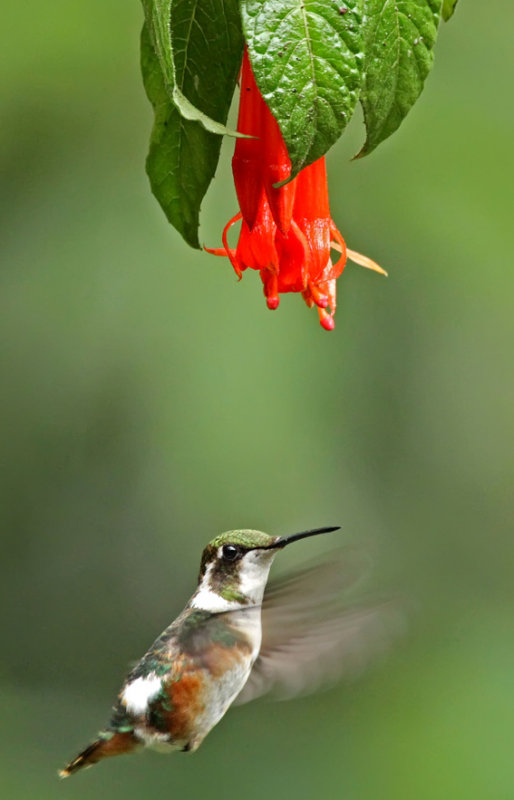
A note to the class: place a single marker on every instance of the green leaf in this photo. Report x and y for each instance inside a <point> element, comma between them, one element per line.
<point>399,39</point>
<point>448,8</point>
<point>157,15</point>
<point>307,59</point>
<point>192,113</point>
<point>193,87</point>
<point>175,26</point>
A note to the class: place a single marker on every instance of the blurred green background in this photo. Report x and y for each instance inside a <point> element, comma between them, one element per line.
<point>150,401</point>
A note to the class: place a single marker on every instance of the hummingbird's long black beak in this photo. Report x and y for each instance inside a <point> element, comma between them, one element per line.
<point>283,540</point>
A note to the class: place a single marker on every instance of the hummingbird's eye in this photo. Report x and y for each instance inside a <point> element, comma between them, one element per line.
<point>230,552</point>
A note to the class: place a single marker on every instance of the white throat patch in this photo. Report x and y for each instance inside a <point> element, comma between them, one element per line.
<point>207,600</point>
<point>253,575</point>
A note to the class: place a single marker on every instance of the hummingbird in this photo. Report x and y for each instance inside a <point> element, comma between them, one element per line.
<point>238,638</point>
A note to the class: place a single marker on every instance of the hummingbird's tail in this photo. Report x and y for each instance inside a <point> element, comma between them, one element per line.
<point>108,744</point>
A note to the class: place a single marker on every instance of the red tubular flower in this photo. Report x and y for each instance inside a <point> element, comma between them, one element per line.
<point>287,233</point>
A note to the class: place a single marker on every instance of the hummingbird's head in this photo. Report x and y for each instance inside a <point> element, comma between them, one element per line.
<point>235,567</point>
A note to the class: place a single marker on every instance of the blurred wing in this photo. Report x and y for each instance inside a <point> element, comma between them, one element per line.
<point>312,633</point>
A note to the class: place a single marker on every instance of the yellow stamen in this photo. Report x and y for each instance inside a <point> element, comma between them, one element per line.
<point>358,258</point>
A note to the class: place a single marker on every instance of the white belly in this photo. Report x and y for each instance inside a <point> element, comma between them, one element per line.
<point>221,684</point>
<point>224,689</point>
